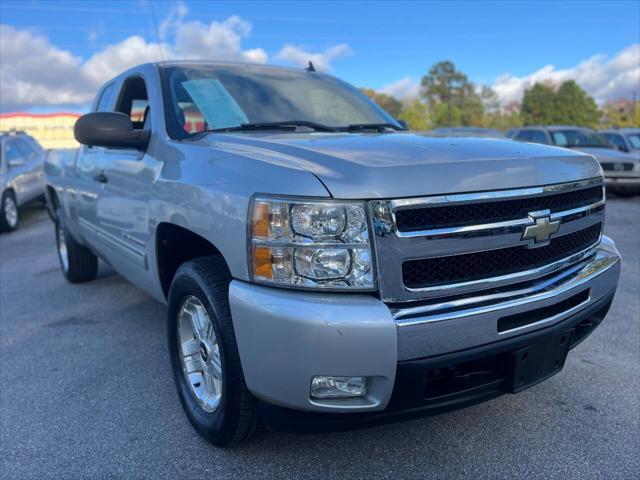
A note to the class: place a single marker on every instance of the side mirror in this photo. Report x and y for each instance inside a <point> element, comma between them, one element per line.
<point>16,162</point>
<point>109,129</point>
<point>403,124</point>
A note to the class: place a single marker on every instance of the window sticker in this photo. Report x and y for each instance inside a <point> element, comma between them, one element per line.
<point>219,108</point>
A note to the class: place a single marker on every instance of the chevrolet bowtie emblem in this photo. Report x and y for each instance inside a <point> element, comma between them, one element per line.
<point>542,230</point>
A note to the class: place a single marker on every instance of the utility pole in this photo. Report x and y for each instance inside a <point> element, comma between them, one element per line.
<point>449,77</point>
<point>449,101</point>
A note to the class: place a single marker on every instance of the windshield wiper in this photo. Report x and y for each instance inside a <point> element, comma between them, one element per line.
<point>379,127</point>
<point>289,125</point>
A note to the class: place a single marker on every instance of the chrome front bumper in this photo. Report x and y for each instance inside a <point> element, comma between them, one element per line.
<point>620,181</point>
<point>464,323</point>
<point>286,337</point>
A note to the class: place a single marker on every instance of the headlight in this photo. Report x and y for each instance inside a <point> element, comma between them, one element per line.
<point>307,243</point>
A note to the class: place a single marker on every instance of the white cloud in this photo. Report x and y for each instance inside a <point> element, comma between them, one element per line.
<point>33,71</point>
<point>603,78</point>
<point>216,41</point>
<point>116,58</point>
<point>404,89</point>
<point>299,57</point>
<point>171,22</point>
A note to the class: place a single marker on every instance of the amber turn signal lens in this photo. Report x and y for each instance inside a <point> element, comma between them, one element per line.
<point>261,220</point>
<point>262,263</point>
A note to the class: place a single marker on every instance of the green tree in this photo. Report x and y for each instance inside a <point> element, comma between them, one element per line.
<point>416,114</point>
<point>621,113</point>
<point>451,97</point>
<point>569,104</point>
<point>490,100</point>
<point>538,105</point>
<point>573,106</point>
<point>388,103</point>
<point>505,118</point>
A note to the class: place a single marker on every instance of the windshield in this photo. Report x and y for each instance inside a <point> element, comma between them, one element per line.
<point>206,97</point>
<point>634,140</point>
<point>579,138</point>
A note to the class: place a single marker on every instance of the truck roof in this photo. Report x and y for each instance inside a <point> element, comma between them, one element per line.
<point>559,127</point>
<point>621,130</point>
<point>210,63</point>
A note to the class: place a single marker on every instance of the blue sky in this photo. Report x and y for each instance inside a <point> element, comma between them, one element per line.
<point>375,44</point>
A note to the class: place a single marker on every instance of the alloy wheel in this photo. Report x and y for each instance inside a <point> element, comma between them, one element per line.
<point>199,354</point>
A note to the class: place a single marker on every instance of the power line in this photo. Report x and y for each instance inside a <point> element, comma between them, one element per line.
<point>154,20</point>
<point>314,19</point>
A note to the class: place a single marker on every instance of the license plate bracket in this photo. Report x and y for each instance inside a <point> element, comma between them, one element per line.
<point>537,362</point>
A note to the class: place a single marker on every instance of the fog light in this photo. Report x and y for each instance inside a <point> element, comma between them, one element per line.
<point>338,387</point>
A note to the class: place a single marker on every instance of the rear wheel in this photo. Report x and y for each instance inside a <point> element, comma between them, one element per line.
<point>204,354</point>
<point>77,262</point>
<point>9,215</point>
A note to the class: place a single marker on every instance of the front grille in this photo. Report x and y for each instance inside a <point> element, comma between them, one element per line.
<point>492,263</point>
<point>617,167</point>
<point>425,218</point>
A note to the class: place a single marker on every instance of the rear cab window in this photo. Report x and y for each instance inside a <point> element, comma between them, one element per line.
<point>27,152</point>
<point>538,136</point>
<point>524,136</point>
<point>560,139</point>
<point>133,101</point>
<point>616,140</point>
<point>11,151</point>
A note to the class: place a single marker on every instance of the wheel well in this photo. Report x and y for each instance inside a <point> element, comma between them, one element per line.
<point>176,245</point>
<point>52,196</point>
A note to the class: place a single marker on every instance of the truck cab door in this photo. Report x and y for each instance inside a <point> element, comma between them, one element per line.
<point>86,192</point>
<point>88,185</point>
<point>123,201</point>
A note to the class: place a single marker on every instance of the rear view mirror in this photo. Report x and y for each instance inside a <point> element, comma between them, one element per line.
<point>109,129</point>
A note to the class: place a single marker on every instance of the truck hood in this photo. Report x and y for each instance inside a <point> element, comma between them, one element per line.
<point>392,165</point>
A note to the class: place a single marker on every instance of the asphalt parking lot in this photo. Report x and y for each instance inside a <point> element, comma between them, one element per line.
<point>86,392</point>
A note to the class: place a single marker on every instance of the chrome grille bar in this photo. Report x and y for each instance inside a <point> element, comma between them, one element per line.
<point>394,247</point>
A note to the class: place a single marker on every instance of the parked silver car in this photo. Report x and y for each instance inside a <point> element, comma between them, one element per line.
<point>321,265</point>
<point>624,139</point>
<point>21,175</point>
<point>621,169</point>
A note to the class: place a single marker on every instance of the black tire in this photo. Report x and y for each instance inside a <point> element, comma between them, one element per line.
<point>50,207</point>
<point>8,224</point>
<point>81,264</point>
<point>237,417</point>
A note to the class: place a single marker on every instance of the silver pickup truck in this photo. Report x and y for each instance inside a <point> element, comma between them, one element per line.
<point>322,267</point>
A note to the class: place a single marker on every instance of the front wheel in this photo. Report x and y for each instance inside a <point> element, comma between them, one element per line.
<point>9,216</point>
<point>204,354</point>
